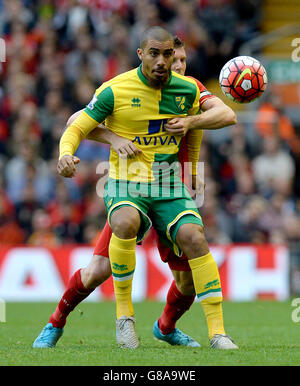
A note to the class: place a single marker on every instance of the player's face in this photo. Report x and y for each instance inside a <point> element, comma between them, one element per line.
<point>179,61</point>
<point>157,58</point>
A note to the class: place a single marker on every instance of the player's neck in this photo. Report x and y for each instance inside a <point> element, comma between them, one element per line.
<point>150,82</point>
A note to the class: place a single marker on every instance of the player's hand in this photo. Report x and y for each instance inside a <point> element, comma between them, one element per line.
<point>124,147</point>
<point>66,166</point>
<point>177,126</point>
<point>198,185</point>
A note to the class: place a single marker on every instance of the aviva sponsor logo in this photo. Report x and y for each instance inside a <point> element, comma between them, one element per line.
<point>120,267</point>
<point>156,141</point>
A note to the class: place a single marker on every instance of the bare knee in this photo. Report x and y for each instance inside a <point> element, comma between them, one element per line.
<point>96,272</point>
<point>125,222</point>
<point>184,282</point>
<point>186,288</point>
<point>191,240</point>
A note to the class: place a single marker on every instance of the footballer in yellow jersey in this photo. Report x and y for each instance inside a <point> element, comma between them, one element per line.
<point>134,110</point>
<point>137,105</point>
<point>181,293</point>
<point>138,112</point>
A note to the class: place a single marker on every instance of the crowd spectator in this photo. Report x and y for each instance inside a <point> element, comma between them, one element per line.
<point>43,234</point>
<point>274,169</point>
<point>59,51</point>
<point>85,61</point>
<point>11,232</point>
<point>273,121</point>
<point>220,21</point>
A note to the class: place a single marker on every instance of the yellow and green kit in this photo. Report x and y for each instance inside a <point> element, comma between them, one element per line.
<point>150,181</point>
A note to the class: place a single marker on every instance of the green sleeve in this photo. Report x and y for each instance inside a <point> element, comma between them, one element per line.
<point>101,105</point>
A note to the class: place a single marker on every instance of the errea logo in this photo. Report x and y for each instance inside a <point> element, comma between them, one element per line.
<point>212,283</point>
<point>135,102</point>
<point>120,267</point>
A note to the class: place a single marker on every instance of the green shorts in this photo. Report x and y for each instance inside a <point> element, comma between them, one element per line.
<point>166,212</point>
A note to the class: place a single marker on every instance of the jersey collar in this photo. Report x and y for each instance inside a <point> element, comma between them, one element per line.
<point>145,80</point>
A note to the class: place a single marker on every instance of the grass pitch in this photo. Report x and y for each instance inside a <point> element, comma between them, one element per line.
<point>264,331</point>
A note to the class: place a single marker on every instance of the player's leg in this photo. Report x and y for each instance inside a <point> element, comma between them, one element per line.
<point>84,281</point>
<point>81,284</point>
<point>180,221</point>
<point>130,223</point>
<point>184,282</point>
<point>180,297</point>
<point>98,270</point>
<point>191,240</point>
<point>74,294</point>
<point>125,223</point>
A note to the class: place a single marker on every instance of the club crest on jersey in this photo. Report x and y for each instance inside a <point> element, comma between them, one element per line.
<point>180,101</point>
<point>135,102</point>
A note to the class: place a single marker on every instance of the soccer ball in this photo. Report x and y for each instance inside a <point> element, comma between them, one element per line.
<point>243,79</point>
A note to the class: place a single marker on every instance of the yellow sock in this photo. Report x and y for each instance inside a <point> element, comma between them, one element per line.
<point>214,318</point>
<point>208,289</point>
<point>122,261</point>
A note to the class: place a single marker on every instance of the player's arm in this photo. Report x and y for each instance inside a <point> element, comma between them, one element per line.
<point>69,142</point>
<point>97,110</point>
<point>216,114</point>
<point>122,146</point>
<point>193,144</point>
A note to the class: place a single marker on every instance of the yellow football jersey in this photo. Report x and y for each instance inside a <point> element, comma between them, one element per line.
<point>138,112</point>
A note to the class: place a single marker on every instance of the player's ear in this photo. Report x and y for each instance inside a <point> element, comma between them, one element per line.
<point>139,53</point>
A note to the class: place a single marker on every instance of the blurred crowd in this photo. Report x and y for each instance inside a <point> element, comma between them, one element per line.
<point>60,51</point>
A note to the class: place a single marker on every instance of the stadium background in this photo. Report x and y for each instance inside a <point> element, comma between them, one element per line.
<point>58,52</point>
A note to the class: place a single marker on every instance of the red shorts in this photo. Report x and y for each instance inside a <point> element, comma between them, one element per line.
<point>167,256</point>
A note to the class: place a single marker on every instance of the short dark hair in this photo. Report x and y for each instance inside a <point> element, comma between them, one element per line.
<point>156,33</point>
<point>178,43</point>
